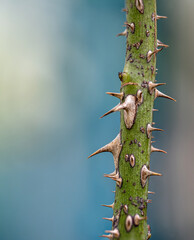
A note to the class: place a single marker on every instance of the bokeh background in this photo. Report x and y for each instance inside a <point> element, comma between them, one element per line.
<point>57,60</point>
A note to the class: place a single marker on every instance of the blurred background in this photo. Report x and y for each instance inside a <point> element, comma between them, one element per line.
<point>58,58</point>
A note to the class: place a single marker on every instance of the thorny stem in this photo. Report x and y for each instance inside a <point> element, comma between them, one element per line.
<point>132,147</point>
<point>135,142</point>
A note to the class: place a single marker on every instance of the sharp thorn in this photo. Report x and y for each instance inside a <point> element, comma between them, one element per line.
<point>161,44</point>
<point>114,232</point>
<point>160,94</point>
<point>114,147</point>
<point>117,95</point>
<point>110,236</point>
<point>115,109</point>
<point>124,33</point>
<point>109,206</point>
<point>145,173</point>
<point>111,175</point>
<point>109,219</point>
<point>150,54</point>
<point>160,17</point>
<point>150,129</point>
<point>149,192</point>
<point>115,178</point>
<point>155,110</point>
<point>152,86</point>
<point>131,26</point>
<point>153,149</point>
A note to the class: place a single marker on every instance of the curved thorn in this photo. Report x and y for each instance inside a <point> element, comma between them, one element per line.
<point>152,86</point>
<point>160,94</point>
<point>114,147</point>
<point>153,149</point>
<point>131,26</point>
<point>115,109</point>
<point>145,173</point>
<point>124,33</point>
<point>150,54</point>
<point>110,174</point>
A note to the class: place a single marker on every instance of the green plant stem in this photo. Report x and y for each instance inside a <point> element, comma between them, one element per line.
<point>135,140</point>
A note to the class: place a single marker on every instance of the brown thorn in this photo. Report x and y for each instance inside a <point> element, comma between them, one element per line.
<point>109,206</point>
<point>160,94</point>
<point>131,26</point>
<point>153,149</point>
<point>109,219</point>
<point>150,129</point>
<point>110,236</point>
<point>124,33</point>
<point>161,44</point>
<point>160,17</point>
<point>152,86</point>
<point>117,95</point>
<point>113,174</point>
<point>115,109</point>
<point>150,54</point>
<point>114,232</point>
<point>149,192</point>
<point>145,173</point>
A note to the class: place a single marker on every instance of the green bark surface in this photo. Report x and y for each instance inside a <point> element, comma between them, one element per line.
<point>135,141</point>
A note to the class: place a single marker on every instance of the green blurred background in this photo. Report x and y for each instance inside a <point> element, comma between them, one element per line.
<point>58,58</point>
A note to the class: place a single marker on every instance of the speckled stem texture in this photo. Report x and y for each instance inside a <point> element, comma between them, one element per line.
<point>132,198</point>
<point>132,147</point>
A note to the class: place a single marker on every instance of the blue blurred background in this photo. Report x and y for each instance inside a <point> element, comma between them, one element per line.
<point>58,58</point>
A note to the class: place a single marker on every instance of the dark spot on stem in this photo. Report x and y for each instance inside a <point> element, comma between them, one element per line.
<point>142,129</point>
<point>142,56</point>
